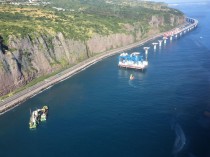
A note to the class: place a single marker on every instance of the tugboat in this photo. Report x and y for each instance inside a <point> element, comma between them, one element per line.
<point>132,77</point>
<point>44,113</point>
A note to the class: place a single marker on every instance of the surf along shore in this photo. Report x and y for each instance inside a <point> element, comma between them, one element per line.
<point>18,98</point>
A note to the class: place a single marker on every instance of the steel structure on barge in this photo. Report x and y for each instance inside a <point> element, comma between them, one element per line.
<point>133,61</point>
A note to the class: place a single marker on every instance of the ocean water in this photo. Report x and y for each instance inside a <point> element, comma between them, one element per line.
<point>163,112</point>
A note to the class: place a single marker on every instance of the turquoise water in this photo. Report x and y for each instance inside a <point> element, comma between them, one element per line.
<point>99,112</point>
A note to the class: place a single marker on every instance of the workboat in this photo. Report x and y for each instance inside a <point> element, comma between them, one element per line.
<point>37,116</point>
<point>133,61</point>
<point>131,77</point>
<point>44,113</point>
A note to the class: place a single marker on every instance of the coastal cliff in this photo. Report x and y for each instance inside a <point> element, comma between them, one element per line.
<point>38,54</point>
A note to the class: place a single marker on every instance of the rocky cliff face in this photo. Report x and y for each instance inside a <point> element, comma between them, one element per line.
<point>34,56</point>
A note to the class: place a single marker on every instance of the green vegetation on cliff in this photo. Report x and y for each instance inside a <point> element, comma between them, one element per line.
<point>81,18</point>
<point>46,38</point>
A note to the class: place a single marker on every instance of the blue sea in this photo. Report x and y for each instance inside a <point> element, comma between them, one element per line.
<point>99,112</point>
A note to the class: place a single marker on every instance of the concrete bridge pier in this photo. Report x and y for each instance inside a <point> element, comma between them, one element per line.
<point>164,40</point>
<point>171,37</point>
<point>146,51</point>
<point>155,45</point>
<point>160,42</point>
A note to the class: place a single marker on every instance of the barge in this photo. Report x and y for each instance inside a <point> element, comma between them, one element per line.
<point>132,61</point>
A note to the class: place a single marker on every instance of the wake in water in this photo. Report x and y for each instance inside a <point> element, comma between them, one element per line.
<point>180,139</point>
<point>131,83</point>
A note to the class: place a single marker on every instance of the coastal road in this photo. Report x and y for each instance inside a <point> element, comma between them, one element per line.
<point>16,99</point>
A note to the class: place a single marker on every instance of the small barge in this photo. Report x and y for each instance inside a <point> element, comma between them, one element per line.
<point>133,61</point>
<point>34,119</point>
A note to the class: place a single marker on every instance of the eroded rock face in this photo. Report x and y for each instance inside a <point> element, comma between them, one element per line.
<point>158,21</point>
<point>37,55</point>
<point>99,43</point>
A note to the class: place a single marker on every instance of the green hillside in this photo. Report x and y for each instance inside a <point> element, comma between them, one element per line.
<point>81,18</point>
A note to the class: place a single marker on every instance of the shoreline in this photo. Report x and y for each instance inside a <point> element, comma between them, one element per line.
<point>18,98</point>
